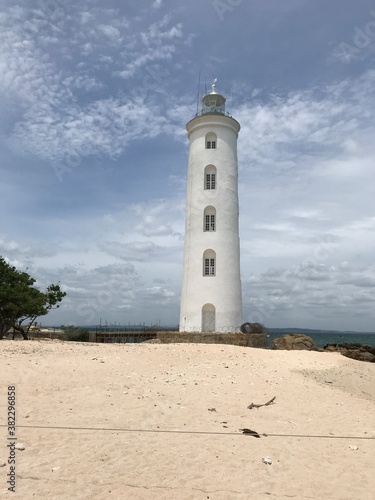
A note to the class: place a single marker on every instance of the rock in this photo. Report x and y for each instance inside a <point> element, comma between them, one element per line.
<point>359,355</point>
<point>294,341</point>
<point>252,328</point>
<point>267,460</point>
<point>359,352</point>
<point>19,446</point>
<point>330,347</point>
<point>2,463</point>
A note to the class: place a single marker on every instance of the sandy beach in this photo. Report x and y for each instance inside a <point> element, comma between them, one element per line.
<point>152,421</point>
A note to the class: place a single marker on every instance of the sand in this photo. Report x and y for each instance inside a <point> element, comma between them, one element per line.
<point>153,421</point>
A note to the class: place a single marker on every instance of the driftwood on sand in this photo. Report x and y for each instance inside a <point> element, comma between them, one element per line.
<point>253,405</point>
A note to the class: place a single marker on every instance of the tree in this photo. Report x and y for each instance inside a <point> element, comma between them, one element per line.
<point>20,301</point>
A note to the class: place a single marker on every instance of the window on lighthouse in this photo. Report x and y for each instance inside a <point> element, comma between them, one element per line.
<point>210,177</point>
<point>209,267</point>
<point>211,140</point>
<point>209,222</point>
<point>210,181</point>
<point>209,263</point>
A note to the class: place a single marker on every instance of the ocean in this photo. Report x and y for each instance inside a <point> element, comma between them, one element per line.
<point>323,338</point>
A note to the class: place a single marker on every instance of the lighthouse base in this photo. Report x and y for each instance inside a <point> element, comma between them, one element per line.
<point>241,339</point>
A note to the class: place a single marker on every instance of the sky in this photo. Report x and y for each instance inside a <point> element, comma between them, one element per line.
<point>94,99</point>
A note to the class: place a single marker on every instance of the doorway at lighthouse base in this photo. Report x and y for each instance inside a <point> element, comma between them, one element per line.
<point>208,318</point>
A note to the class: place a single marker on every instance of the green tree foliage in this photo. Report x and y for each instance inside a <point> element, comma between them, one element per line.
<point>20,301</point>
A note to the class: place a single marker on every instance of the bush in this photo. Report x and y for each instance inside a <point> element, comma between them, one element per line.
<point>76,334</point>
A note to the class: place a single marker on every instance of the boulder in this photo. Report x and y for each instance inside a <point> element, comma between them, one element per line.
<point>253,328</point>
<point>330,348</point>
<point>294,341</point>
<point>360,352</point>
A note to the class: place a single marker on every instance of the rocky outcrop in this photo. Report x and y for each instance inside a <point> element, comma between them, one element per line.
<point>293,342</point>
<point>360,352</point>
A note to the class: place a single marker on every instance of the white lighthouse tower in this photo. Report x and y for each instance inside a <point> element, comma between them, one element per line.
<point>211,299</point>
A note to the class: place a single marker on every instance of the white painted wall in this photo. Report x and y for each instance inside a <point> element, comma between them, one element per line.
<point>223,291</point>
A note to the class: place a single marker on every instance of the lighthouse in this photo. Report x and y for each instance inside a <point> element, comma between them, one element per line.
<point>211,298</point>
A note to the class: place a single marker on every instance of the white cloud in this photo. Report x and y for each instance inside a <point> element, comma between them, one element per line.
<point>134,251</point>
<point>308,122</point>
<point>8,246</point>
<point>155,218</point>
<point>111,32</point>
<point>54,125</point>
<point>157,4</point>
<point>315,290</point>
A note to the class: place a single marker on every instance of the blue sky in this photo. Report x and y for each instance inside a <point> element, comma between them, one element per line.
<point>94,98</point>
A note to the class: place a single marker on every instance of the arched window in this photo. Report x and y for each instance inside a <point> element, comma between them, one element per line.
<point>209,219</point>
<point>211,140</point>
<point>210,177</point>
<point>209,263</point>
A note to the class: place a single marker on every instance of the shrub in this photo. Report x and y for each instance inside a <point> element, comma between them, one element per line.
<point>76,334</point>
